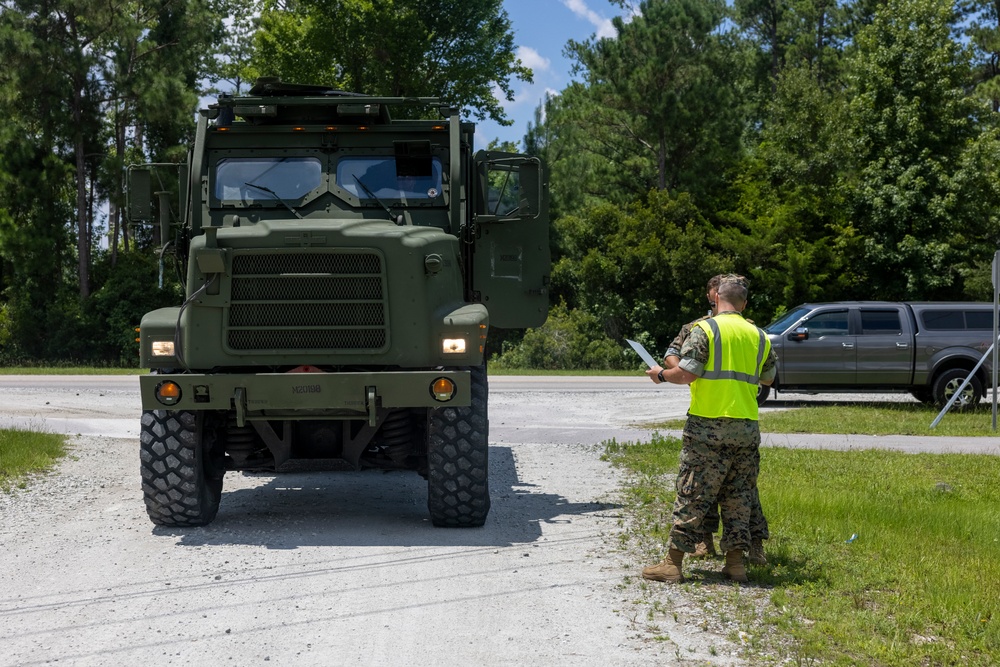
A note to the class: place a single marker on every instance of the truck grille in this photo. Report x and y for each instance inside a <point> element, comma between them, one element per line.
<point>334,302</point>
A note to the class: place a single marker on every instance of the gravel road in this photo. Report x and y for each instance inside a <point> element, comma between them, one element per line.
<point>336,567</point>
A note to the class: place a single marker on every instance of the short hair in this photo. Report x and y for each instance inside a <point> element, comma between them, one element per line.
<point>733,292</point>
<point>715,281</point>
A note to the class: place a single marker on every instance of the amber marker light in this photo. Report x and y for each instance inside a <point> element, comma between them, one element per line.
<point>168,393</point>
<point>298,129</point>
<point>443,390</point>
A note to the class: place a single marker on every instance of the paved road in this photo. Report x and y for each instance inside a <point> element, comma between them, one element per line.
<point>541,409</point>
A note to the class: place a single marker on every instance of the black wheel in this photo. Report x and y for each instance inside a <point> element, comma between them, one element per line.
<point>923,394</point>
<point>947,383</point>
<point>458,490</point>
<point>763,391</point>
<point>179,485</point>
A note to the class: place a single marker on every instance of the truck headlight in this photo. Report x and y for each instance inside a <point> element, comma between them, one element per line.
<point>163,348</point>
<point>453,346</point>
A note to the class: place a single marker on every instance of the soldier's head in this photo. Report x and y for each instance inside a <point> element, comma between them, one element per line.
<point>733,290</point>
<point>712,289</point>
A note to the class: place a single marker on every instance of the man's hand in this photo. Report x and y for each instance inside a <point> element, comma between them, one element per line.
<point>675,375</point>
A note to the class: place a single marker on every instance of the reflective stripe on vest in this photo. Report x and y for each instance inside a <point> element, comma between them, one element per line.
<point>728,387</point>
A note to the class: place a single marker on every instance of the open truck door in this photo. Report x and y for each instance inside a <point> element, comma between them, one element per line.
<point>511,263</point>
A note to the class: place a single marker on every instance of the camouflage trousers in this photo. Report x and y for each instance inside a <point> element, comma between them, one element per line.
<point>719,463</point>
<point>758,522</point>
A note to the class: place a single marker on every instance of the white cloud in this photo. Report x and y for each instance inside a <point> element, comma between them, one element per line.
<point>580,8</point>
<point>533,59</point>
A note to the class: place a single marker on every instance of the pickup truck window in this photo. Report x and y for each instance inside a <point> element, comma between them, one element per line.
<point>830,323</point>
<point>957,320</point>
<point>979,320</point>
<point>880,322</point>
<point>943,320</point>
<point>785,321</point>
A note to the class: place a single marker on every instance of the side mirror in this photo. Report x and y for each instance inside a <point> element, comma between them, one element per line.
<point>140,194</point>
<point>800,333</point>
<point>530,179</point>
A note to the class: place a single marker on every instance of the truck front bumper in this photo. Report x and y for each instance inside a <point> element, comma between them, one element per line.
<point>305,395</point>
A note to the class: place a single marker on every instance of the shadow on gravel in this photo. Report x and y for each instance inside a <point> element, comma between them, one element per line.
<point>375,508</point>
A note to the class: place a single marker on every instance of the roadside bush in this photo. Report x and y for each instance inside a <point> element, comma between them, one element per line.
<point>569,339</point>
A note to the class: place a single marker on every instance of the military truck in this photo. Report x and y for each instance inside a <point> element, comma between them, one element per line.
<point>343,261</point>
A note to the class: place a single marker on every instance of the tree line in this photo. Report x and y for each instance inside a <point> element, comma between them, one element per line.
<point>827,150</point>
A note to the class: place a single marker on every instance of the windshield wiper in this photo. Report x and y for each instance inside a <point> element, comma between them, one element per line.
<point>275,195</point>
<point>372,195</point>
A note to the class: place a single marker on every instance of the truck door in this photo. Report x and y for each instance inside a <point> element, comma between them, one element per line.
<point>885,347</point>
<point>820,350</point>
<point>510,235</point>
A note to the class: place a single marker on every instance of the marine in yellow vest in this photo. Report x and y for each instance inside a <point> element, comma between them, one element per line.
<point>724,359</point>
<point>759,529</point>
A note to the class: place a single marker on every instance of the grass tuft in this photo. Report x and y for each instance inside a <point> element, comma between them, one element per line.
<point>23,453</point>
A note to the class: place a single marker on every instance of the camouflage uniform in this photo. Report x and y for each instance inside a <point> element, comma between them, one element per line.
<point>710,524</point>
<point>719,462</point>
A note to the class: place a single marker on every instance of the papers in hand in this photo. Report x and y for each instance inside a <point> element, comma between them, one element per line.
<point>641,351</point>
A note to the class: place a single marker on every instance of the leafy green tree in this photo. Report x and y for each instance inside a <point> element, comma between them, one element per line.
<point>641,270</point>
<point>663,85</point>
<point>911,128</point>
<point>983,32</point>
<point>460,50</point>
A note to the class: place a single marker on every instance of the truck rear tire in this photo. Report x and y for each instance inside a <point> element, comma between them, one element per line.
<point>178,485</point>
<point>948,382</point>
<point>458,491</point>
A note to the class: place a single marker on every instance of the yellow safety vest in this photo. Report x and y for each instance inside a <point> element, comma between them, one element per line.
<point>736,354</point>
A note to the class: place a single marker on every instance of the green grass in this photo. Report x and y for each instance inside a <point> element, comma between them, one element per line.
<point>23,453</point>
<point>920,585</point>
<point>869,419</point>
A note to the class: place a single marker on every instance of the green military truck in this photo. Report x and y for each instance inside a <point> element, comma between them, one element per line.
<point>343,261</point>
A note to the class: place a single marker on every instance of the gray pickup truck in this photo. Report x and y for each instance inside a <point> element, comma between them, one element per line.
<point>924,348</point>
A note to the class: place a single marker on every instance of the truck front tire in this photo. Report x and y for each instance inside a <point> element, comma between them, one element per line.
<point>178,484</point>
<point>458,492</point>
<point>948,382</point>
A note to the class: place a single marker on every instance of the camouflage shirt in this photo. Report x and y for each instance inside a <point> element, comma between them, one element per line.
<point>674,349</point>
<point>694,352</point>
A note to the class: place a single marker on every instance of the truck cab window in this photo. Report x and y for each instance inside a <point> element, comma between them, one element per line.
<point>880,322</point>
<point>383,180</point>
<point>287,178</point>
<point>828,324</point>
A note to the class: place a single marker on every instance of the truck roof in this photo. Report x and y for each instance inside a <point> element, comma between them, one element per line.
<point>273,102</point>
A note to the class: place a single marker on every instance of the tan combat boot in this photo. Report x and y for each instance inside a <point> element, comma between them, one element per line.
<point>705,548</point>
<point>734,568</point>
<point>757,556</point>
<point>668,569</point>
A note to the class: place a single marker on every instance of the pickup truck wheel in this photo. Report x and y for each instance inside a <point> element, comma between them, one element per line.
<point>178,484</point>
<point>763,391</point>
<point>948,382</point>
<point>458,492</point>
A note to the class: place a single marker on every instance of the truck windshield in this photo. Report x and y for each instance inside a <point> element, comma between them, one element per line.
<point>786,320</point>
<point>288,178</point>
<point>382,180</point>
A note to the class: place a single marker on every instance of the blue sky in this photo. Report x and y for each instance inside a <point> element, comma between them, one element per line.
<point>541,30</point>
